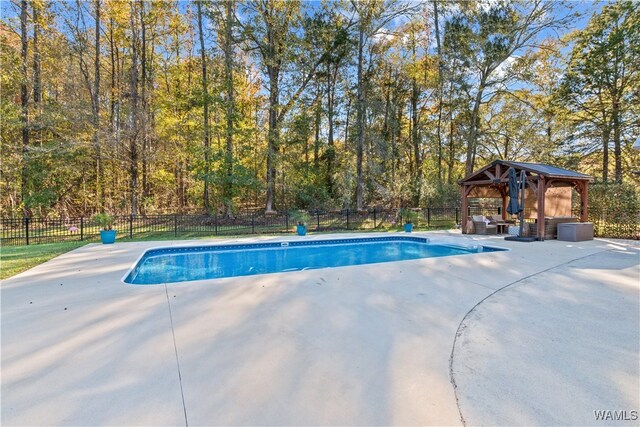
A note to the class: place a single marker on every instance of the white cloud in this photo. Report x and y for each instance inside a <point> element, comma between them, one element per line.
<point>485,5</point>
<point>383,35</point>
<point>503,68</point>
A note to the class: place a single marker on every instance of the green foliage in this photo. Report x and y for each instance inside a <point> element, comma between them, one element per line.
<point>416,106</point>
<point>310,195</point>
<point>104,220</point>
<point>615,203</point>
<point>602,81</point>
<point>614,210</point>
<point>300,217</point>
<point>409,216</point>
<point>445,195</point>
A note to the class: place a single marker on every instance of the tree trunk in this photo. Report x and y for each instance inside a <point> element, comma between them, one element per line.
<point>145,116</point>
<point>228,67</point>
<point>415,141</point>
<point>331,87</point>
<point>451,143</point>
<point>507,145</point>
<point>360,121</point>
<point>316,141</point>
<point>606,135</point>
<point>394,143</point>
<point>452,153</point>
<point>37,79</point>
<point>37,82</point>
<point>473,131</point>
<point>617,148</point>
<point>440,90</point>
<point>398,139</point>
<point>112,93</point>
<point>24,103</point>
<point>96,113</point>
<point>273,138</point>
<point>133,137</point>
<point>205,115</point>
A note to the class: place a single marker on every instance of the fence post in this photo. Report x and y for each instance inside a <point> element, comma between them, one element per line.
<point>253,223</point>
<point>286,221</point>
<point>130,227</point>
<point>81,228</point>
<point>428,217</point>
<point>215,222</point>
<point>457,215</point>
<point>318,216</point>
<point>347,218</point>
<point>175,225</point>
<point>374,217</point>
<point>26,228</point>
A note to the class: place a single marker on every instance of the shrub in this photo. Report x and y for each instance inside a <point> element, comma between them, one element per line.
<point>409,216</point>
<point>615,210</point>
<point>300,217</point>
<point>104,220</point>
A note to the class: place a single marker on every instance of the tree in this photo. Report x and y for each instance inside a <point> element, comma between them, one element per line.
<point>372,16</point>
<point>133,107</point>
<point>602,76</point>
<point>95,103</point>
<point>228,47</point>
<point>134,128</point>
<point>205,111</point>
<point>436,26</point>
<point>24,102</point>
<point>487,37</point>
<point>273,31</point>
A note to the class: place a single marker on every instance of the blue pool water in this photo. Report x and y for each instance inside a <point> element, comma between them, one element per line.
<point>168,265</point>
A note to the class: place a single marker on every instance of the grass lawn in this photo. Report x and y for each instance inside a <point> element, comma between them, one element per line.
<point>16,259</point>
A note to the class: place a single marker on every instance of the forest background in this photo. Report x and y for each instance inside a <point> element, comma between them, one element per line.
<point>142,107</point>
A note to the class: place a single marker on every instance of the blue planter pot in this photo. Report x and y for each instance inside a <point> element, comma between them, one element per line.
<point>301,229</point>
<point>108,236</point>
<point>408,228</point>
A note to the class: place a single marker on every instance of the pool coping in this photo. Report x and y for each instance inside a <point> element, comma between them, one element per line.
<point>315,240</point>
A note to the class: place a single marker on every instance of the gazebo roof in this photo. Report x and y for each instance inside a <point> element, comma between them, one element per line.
<point>493,173</point>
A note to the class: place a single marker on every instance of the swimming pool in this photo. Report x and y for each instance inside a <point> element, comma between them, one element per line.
<point>181,264</point>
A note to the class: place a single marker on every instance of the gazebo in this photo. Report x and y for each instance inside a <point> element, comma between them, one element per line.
<point>492,180</point>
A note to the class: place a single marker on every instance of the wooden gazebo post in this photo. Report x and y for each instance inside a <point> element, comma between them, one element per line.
<point>465,209</point>
<point>541,192</point>
<point>584,202</point>
<point>504,193</point>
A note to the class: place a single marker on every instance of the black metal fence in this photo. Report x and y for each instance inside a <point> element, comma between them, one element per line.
<point>28,231</point>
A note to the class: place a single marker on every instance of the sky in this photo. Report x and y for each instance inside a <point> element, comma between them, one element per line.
<point>9,9</point>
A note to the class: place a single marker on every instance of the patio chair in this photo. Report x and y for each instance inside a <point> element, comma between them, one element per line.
<point>482,227</point>
<point>501,224</point>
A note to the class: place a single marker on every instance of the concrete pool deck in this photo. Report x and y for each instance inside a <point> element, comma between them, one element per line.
<point>543,334</point>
